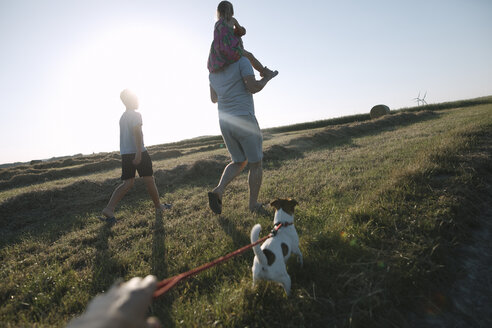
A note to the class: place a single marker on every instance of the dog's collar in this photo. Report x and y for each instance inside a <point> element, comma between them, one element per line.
<point>276,227</point>
<point>284,224</point>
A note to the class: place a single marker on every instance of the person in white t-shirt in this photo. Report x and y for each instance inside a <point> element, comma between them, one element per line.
<point>134,157</point>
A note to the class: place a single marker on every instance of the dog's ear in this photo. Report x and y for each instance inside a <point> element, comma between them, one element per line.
<point>289,205</point>
<point>293,201</point>
<point>276,203</point>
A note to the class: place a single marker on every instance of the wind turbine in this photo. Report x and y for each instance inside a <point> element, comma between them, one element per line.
<point>417,99</point>
<point>421,100</point>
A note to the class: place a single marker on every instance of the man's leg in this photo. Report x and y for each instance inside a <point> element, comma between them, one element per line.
<point>231,171</point>
<point>255,178</point>
<point>154,193</point>
<point>117,195</point>
<point>152,190</point>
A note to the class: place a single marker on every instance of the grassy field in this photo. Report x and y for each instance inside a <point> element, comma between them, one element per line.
<point>382,206</point>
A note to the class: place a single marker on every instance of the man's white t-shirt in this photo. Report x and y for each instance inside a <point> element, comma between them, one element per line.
<point>128,121</point>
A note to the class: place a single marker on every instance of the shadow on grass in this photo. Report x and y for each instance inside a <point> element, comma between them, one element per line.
<point>340,284</point>
<point>159,256</point>
<point>161,306</point>
<point>239,239</point>
<point>49,213</point>
<point>105,269</point>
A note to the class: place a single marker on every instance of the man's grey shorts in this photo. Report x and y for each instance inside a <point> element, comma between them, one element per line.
<point>242,137</point>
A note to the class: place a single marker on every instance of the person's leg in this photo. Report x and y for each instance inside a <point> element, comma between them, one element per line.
<point>255,178</point>
<point>154,193</point>
<point>231,171</point>
<point>128,177</point>
<point>254,62</point>
<point>252,145</point>
<point>147,173</point>
<point>152,190</point>
<point>117,195</point>
<point>263,70</point>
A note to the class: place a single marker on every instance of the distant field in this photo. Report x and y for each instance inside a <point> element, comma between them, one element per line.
<point>383,204</point>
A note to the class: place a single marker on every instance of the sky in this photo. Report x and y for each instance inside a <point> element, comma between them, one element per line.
<point>63,64</point>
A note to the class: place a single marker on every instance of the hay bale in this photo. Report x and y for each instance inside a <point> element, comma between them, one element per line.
<point>379,110</point>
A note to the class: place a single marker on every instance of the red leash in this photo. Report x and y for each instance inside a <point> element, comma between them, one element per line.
<point>164,285</point>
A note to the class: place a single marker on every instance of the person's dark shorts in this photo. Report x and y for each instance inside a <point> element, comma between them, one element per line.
<point>128,170</point>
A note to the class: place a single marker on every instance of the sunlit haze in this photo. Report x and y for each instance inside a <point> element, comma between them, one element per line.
<point>64,62</point>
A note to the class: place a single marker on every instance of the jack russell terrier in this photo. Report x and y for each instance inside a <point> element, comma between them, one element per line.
<point>270,259</point>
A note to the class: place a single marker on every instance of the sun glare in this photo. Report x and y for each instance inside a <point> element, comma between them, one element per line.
<point>160,66</point>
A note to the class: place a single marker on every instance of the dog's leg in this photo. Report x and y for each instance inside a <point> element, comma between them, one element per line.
<point>253,269</point>
<point>297,251</point>
<point>285,281</point>
<point>256,270</point>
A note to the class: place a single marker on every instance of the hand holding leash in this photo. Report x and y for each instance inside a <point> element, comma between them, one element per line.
<point>125,305</point>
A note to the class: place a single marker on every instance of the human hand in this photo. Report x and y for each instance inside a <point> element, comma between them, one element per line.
<point>239,31</point>
<point>124,305</point>
<point>137,159</point>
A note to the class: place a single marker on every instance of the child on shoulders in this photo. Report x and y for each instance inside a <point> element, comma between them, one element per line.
<point>227,46</point>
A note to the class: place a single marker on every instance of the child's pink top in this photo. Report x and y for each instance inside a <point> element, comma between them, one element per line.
<point>225,49</point>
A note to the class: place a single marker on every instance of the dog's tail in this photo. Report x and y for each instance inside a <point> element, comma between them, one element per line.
<point>255,235</point>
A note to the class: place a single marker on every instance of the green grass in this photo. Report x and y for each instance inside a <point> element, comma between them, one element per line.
<point>382,205</point>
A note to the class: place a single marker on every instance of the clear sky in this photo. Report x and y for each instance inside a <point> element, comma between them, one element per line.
<point>63,64</point>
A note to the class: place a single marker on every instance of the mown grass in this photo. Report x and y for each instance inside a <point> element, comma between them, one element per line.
<point>382,206</point>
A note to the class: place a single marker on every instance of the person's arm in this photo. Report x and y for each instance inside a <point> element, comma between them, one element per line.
<point>253,85</point>
<point>137,132</point>
<point>238,29</point>
<point>213,95</point>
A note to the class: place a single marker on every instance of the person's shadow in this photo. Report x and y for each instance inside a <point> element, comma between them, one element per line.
<point>160,307</point>
<point>105,269</point>
<point>239,238</point>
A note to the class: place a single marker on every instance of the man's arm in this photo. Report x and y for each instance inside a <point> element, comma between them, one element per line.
<point>253,85</point>
<point>137,132</point>
<point>213,95</point>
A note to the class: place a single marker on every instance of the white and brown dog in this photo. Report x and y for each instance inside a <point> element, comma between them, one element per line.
<point>270,259</point>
